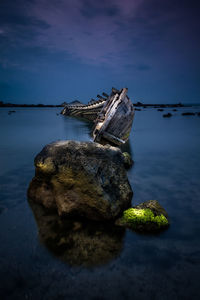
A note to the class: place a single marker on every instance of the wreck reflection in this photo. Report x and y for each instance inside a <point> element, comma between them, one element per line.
<point>76,241</point>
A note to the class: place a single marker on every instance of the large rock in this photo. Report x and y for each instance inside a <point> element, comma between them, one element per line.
<point>81,178</point>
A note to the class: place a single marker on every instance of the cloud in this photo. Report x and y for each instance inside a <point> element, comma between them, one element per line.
<point>114,32</point>
<point>90,31</point>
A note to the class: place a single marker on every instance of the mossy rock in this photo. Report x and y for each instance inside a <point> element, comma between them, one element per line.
<point>149,216</point>
<point>154,206</point>
<point>128,162</point>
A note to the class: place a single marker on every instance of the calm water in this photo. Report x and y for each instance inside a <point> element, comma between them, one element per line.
<point>100,262</point>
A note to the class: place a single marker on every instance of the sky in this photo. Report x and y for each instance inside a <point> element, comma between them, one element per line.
<point>62,50</point>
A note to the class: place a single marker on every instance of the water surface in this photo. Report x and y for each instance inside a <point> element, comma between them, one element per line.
<point>101,263</point>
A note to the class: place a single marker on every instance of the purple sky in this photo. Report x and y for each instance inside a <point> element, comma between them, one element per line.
<point>56,50</point>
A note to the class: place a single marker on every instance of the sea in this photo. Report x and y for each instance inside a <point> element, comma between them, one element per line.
<point>43,258</point>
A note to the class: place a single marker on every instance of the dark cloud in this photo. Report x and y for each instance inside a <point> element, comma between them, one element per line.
<point>92,9</point>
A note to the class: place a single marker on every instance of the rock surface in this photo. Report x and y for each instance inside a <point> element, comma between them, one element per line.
<point>81,178</point>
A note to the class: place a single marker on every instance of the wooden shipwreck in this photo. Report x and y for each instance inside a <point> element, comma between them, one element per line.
<point>112,116</point>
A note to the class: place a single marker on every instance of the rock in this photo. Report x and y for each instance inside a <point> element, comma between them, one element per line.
<point>149,216</point>
<point>155,206</point>
<point>198,114</point>
<point>128,162</point>
<point>167,115</point>
<point>11,112</point>
<point>81,178</point>
<point>160,109</point>
<point>188,114</point>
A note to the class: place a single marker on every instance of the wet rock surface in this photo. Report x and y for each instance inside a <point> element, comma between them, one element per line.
<point>81,179</point>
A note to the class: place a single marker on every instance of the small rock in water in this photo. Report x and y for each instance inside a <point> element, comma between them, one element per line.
<point>167,115</point>
<point>81,178</point>
<point>11,111</point>
<point>188,114</point>
<point>148,216</point>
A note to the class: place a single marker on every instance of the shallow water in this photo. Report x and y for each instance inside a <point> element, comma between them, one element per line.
<point>97,262</point>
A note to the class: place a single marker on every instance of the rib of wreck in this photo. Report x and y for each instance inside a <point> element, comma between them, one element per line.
<point>88,111</point>
<point>112,116</point>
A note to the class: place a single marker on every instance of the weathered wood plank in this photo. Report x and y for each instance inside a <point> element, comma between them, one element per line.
<point>105,95</point>
<point>115,119</point>
<point>112,138</point>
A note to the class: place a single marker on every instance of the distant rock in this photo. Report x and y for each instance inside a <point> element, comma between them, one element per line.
<point>11,112</point>
<point>167,115</point>
<point>81,178</point>
<point>138,104</point>
<point>64,104</point>
<point>188,114</point>
<point>75,102</point>
<point>160,109</point>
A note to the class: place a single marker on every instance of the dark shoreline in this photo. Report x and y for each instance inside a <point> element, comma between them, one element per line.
<point>60,105</point>
<point>28,105</point>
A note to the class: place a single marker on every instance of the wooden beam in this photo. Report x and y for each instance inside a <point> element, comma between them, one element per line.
<point>115,91</point>
<point>105,95</point>
<point>113,139</point>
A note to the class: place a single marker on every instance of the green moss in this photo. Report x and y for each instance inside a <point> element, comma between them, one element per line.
<point>126,155</point>
<point>161,220</point>
<point>128,162</point>
<point>134,217</point>
<point>126,136</point>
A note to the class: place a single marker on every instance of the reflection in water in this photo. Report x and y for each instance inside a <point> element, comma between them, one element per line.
<point>167,168</point>
<point>78,241</point>
<point>77,128</point>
